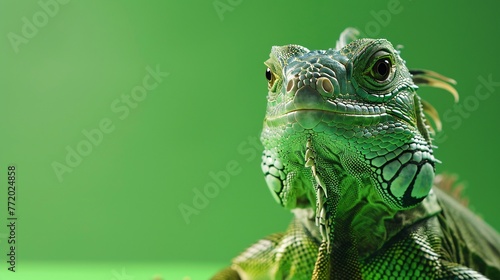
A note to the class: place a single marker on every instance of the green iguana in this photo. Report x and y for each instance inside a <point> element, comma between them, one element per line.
<point>348,150</point>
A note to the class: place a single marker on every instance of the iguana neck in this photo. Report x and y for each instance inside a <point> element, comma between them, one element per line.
<point>371,225</point>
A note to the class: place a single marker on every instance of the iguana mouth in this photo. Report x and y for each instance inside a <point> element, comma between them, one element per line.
<point>311,105</point>
<point>332,112</point>
<point>309,118</point>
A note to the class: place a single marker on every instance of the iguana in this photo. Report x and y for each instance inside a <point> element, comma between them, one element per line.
<point>347,148</point>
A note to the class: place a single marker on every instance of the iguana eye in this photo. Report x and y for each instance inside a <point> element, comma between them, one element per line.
<point>381,69</point>
<point>270,77</point>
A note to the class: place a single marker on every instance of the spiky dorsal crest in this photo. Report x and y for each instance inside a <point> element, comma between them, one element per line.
<point>447,183</point>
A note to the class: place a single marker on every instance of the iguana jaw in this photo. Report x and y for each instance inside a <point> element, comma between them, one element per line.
<point>310,105</point>
<point>311,118</point>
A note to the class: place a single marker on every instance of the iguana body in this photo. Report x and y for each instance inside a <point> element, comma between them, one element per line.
<point>348,150</point>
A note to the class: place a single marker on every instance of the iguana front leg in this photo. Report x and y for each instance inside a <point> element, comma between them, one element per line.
<point>227,273</point>
<point>290,255</point>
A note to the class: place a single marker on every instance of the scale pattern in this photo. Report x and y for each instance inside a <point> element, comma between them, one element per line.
<point>348,149</point>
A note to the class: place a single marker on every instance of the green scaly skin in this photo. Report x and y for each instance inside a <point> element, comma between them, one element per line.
<point>348,150</point>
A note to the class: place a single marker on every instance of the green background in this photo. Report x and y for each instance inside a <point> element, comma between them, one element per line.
<point>119,207</point>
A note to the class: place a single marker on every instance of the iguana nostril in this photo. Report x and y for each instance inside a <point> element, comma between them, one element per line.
<point>325,84</point>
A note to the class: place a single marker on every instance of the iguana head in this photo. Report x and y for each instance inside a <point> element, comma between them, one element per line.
<point>357,107</point>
